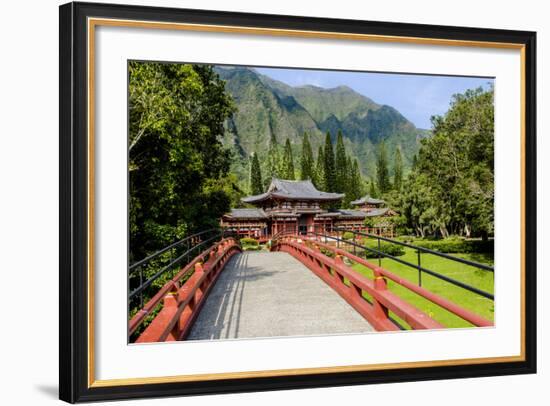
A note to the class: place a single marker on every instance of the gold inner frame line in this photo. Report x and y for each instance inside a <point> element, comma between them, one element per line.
<point>94,22</point>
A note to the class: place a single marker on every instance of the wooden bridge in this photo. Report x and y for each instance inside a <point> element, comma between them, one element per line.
<point>303,286</point>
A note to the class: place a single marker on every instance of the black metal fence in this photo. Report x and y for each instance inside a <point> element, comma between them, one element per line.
<point>149,274</point>
<point>354,244</point>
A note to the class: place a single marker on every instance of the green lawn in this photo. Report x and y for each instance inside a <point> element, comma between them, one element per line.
<point>480,279</point>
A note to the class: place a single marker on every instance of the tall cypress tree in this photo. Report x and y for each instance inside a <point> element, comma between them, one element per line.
<point>355,182</point>
<point>256,185</point>
<point>341,167</point>
<point>348,179</point>
<point>319,181</point>
<point>287,167</point>
<point>397,170</point>
<point>372,189</point>
<point>329,167</point>
<point>273,160</point>
<point>306,162</point>
<point>382,172</point>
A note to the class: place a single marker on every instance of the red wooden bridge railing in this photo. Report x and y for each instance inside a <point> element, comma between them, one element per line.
<point>351,285</point>
<point>183,301</point>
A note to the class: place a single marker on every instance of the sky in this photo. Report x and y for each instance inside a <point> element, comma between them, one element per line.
<point>417,97</point>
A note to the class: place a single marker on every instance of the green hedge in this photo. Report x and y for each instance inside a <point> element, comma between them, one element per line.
<point>252,248</point>
<point>385,247</point>
<point>250,244</point>
<point>347,235</point>
<point>455,245</point>
<point>249,241</point>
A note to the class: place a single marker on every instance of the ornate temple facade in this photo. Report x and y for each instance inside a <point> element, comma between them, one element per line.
<point>290,205</point>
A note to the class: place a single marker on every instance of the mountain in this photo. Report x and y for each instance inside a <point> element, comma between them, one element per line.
<point>266,107</point>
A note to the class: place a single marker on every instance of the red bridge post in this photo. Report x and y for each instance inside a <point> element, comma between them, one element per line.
<point>380,284</point>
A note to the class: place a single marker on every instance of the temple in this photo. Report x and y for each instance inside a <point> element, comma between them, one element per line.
<point>367,203</point>
<point>290,205</point>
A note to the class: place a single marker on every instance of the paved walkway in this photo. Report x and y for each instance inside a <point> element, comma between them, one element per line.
<point>271,294</point>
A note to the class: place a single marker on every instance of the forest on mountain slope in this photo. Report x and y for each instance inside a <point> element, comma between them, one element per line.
<point>267,110</point>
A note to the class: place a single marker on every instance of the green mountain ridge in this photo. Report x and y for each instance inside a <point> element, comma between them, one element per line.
<point>266,107</point>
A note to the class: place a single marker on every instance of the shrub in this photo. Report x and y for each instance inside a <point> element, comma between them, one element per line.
<point>252,247</point>
<point>385,247</point>
<point>453,245</point>
<point>348,235</point>
<point>249,241</point>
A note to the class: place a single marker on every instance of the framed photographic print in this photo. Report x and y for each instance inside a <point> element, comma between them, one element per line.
<point>258,202</point>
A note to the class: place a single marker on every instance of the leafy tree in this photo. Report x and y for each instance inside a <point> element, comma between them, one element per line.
<point>397,170</point>
<point>306,162</point>
<point>177,162</point>
<point>287,165</point>
<point>451,187</point>
<point>256,185</point>
<point>382,172</point>
<point>329,170</point>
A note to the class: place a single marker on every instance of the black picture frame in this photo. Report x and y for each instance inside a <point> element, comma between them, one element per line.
<point>74,384</point>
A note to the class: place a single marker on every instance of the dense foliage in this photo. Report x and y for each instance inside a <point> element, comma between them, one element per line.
<point>178,167</point>
<point>450,189</point>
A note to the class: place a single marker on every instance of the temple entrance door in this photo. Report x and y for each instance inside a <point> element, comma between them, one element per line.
<point>302,224</point>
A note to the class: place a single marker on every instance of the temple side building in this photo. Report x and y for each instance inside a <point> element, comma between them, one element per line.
<point>290,205</point>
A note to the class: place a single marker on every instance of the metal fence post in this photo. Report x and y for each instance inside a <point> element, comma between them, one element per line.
<point>419,269</point>
<point>379,253</point>
<point>140,284</point>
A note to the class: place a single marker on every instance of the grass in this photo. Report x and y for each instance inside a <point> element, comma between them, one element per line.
<point>472,276</point>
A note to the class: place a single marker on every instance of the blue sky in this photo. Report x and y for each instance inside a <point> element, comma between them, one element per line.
<point>417,97</point>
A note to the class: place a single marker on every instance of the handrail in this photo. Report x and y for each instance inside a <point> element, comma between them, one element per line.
<point>173,245</point>
<point>418,266</point>
<point>159,273</point>
<point>438,300</point>
<point>191,244</point>
<point>182,304</point>
<point>171,285</point>
<point>453,281</point>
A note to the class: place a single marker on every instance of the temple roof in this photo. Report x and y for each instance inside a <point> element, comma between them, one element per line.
<point>293,190</point>
<point>380,211</point>
<point>344,213</point>
<point>367,200</point>
<point>353,213</point>
<point>248,214</point>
